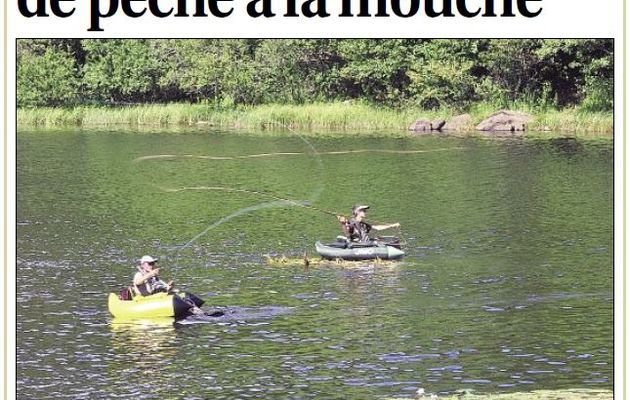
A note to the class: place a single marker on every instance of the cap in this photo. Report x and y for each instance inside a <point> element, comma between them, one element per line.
<point>358,208</point>
<point>148,259</point>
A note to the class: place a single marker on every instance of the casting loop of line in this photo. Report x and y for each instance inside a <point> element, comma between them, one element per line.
<point>278,201</point>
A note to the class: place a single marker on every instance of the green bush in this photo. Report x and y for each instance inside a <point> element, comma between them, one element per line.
<point>49,79</point>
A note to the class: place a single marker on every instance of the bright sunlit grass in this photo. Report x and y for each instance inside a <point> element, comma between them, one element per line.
<point>339,116</point>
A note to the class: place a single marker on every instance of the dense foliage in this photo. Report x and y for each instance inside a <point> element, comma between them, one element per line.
<point>427,73</point>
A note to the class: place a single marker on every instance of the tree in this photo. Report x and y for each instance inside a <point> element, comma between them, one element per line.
<point>513,69</point>
<point>119,70</point>
<point>376,70</point>
<point>430,73</point>
<point>446,72</point>
<point>46,77</point>
<point>579,70</point>
<point>191,69</point>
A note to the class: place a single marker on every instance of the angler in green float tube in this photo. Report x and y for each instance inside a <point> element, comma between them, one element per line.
<point>356,229</point>
<point>356,244</point>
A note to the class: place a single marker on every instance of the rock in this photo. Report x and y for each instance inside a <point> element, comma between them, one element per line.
<point>459,123</point>
<point>505,121</point>
<point>426,126</point>
<point>438,124</point>
<point>421,125</point>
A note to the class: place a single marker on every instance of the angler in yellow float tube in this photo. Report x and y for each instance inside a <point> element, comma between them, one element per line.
<point>150,297</point>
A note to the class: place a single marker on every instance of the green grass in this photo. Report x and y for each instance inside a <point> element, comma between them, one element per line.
<point>339,116</point>
<point>572,120</point>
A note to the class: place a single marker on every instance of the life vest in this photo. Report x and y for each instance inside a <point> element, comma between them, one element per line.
<point>358,230</point>
<point>150,286</point>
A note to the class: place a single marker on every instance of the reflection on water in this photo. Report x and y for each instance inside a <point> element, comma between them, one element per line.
<point>136,336</point>
<point>507,286</point>
<point>141,347</point>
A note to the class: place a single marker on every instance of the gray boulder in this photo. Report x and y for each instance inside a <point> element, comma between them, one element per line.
<point>426,126</point>
<point>421,125</point>
<point>505,121</point>
<point>459,123</point>
<point>438,124</point>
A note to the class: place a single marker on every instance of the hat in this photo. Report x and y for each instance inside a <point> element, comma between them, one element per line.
<point>148,259</point>
<point>358,208</point>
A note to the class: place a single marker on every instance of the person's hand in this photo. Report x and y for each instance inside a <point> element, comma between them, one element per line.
<point>154,272</point>
<point>342,219</point>
<point>396,225</point>
<point>170,285</point>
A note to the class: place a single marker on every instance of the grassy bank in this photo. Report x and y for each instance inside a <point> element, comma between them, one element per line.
<point>571,394</point>
<point>321,116</point>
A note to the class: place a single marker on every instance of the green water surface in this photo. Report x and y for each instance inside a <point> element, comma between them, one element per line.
<point>507,284</point>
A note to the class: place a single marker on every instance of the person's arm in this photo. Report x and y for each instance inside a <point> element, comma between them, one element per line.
<point>345,225</point>
<point>168,285</point>
<point>383,227</point>
<point>140,277</point>
<point>162,284</point>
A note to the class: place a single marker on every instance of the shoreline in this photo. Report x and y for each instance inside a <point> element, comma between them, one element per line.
<point>342,117</point>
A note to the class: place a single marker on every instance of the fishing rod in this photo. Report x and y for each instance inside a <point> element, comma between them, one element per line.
<point>276,197</point>
<point>301,204</point>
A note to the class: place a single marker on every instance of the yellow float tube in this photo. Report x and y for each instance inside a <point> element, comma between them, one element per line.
<point>158,305</point>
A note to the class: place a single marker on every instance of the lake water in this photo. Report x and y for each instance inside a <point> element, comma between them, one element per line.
<point>507,284</point>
